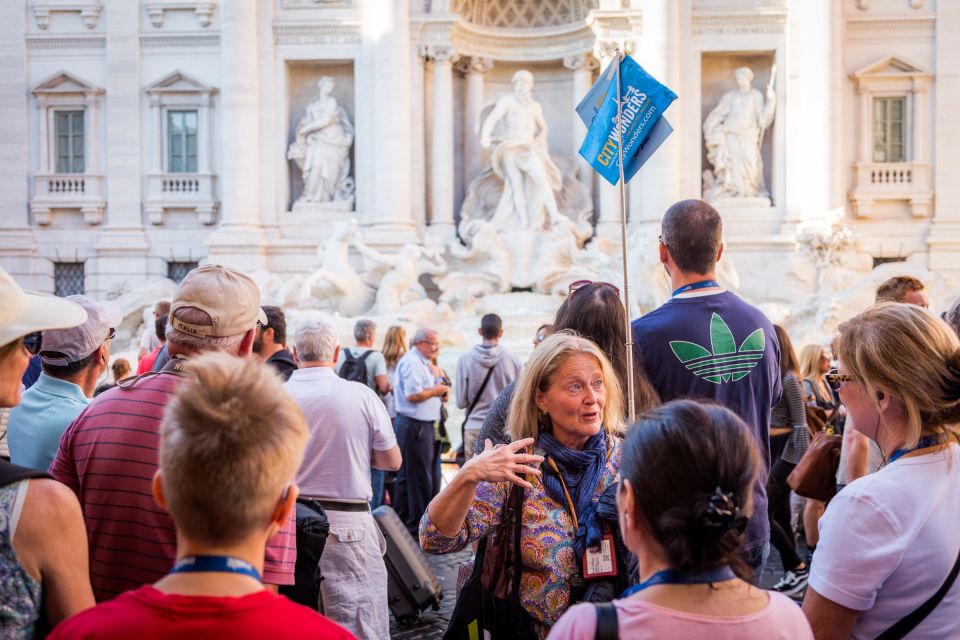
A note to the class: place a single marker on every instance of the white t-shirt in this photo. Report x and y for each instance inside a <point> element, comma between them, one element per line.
<point>888,541</point>
<point>347,422</point>
<point>149,339</point>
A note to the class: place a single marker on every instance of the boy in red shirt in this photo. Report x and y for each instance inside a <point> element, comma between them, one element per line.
<point>231,443</point>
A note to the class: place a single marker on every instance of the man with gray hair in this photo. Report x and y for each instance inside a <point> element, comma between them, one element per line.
<point>108,455</point>
<point>364,363</point>
<point>418,396</point>
<point>350,432</point>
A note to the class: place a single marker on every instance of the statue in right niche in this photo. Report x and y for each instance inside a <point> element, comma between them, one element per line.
<point>733,134</point>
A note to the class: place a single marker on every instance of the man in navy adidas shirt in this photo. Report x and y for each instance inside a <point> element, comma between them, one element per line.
<point>705,342</point>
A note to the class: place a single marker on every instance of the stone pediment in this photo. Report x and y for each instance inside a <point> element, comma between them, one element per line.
<point>890,66</point>
<point>179,82</point>
<point>64,83</point>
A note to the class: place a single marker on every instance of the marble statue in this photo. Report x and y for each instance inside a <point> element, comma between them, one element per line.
<point>400,286</point>
<point>517,132</point>
<point>479,268</point>
<point>322,149</point>
<point>733,134</point>
<point>336,284</point>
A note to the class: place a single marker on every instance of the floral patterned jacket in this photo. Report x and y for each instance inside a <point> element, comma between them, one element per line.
<point>547,536</point>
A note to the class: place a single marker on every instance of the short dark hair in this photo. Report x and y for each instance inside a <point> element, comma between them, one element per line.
<point>688,462</point>
<point>692,232</point>
<point>278,322</point>
<point>896,288</point>
<point>68,370</point>
<point>161,327</point>
<point>490,326</point>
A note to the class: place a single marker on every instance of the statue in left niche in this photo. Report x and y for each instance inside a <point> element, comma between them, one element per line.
<point>322,150</point>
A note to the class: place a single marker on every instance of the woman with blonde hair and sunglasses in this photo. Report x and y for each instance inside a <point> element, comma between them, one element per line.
<point>43,542</point>
<point>568,409</point>
<point>889,554</point>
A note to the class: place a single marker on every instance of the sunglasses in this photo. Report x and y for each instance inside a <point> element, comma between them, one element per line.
<point>113,334</point>
<point>32,341</point>
<point>835,379</point>
<point>580,284</point>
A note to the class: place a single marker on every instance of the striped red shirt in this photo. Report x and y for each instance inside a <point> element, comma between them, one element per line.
<point>108,456</point>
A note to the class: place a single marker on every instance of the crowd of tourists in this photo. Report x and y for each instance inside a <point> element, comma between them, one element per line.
<point>175,499</point>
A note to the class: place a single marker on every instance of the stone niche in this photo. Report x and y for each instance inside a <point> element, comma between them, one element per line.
<point>302,79</point>
<point>717,77</point>
<point>552,88</point>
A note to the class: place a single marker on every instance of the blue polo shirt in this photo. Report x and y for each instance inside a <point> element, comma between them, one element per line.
<point>413,376</point>
<point>44,413</point>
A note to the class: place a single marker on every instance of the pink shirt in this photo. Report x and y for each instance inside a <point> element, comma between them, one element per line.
<point>781,619</point>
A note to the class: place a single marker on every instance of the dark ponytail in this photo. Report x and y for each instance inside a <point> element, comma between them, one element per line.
<point>693,467</point>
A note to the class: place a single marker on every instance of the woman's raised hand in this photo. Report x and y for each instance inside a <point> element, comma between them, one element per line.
<point>504,462</point>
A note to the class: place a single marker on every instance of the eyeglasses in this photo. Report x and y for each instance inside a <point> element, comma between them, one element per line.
<point>660,240</point>
<point>835,379</point>
<point>32,341</point>
<point>113,334</point>
<point>580,284</point>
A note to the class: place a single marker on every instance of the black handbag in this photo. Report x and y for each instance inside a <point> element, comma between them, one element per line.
<point>480,612</point>
<point>312,530</point>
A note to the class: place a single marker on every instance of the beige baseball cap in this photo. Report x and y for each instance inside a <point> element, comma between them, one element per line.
<point>227,294</point>
<point>22,313</point>
<point>60,347</point>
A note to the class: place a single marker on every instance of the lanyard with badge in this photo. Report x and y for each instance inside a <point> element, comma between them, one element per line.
<point>599,561</point>
<point>922,443</point>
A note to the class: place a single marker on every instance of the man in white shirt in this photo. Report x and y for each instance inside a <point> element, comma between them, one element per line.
<point>418,394</point>
<point>149,340</point>
<point>350,432</point>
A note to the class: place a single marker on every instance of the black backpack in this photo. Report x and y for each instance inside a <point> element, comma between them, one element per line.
<point>354,368</point>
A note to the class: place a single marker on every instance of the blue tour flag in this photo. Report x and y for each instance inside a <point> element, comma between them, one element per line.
<point>643,100</point>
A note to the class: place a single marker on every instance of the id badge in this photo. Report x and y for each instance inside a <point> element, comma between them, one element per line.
<point>600,561</point>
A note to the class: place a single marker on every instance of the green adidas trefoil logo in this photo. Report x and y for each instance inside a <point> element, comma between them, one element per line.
<point>725,363</point>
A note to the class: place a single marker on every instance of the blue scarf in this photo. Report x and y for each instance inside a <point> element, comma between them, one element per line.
<point>581,472</point>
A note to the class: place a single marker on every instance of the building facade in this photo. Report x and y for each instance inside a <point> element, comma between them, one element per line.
<point>141,137</point>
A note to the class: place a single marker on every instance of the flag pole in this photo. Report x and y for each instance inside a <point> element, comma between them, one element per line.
<point>631,411</point>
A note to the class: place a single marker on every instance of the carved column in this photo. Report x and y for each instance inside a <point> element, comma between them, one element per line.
<point>608,219</point>
<point>43,121</point>
<point>441,144</point>
<point>156,124</point>
<point>473,70</point>
<point>385,87</point>
<point>239,239</point>
<point>582,66</point>
<point>203,135</point>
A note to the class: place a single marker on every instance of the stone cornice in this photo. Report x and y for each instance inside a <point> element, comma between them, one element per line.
<point>66,42</point>
<point>923,24</point>
<point>739,23</point>
<point>522,45</point>
<point>179,40</point>
<point>341,32</point>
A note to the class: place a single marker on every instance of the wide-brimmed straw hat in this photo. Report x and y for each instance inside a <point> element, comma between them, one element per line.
<point>22,313</point>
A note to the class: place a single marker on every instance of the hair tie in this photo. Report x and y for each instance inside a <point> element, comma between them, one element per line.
<point>722,512</point>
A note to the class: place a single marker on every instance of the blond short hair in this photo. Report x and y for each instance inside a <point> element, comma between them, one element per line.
<point>523,421</point>
<point>230,442</point>
<point>905,351</point>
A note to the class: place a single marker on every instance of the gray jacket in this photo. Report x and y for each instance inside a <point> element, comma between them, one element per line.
<point>471,370</point>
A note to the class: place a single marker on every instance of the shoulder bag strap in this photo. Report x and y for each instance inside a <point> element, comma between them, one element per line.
<point>607,626</point>
<point>517,496</point>
<point>909,622</point>
<point>476,399</point>
<point>363,358</point>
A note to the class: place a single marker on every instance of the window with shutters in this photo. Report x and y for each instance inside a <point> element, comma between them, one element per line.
<point>182,141</point>
<point>69,145</point>
<point>889,126</point>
